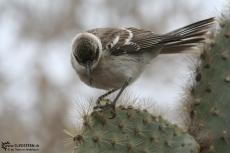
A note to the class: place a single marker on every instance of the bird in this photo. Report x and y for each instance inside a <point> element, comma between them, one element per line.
<point>112,58</point>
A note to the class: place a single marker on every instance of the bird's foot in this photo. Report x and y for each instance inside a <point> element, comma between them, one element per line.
<point>105,104</point>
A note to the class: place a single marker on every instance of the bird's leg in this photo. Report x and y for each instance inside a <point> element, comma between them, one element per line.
<point>113,104</point>
<point>101,98</point>
<point>126,83</point>
<point>105,95</point>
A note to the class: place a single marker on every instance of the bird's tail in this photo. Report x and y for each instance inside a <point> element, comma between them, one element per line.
<point>186,37</point>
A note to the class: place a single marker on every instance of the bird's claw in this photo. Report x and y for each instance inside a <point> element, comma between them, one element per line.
<point>105,104</point>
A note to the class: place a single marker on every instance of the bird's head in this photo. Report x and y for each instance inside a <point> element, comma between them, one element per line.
<point>86,52</point>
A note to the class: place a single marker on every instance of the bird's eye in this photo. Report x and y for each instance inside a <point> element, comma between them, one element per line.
<point>76,57</point>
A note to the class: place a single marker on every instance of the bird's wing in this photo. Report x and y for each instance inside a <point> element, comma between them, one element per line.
<point>126,40</point>
<point>132,40</point>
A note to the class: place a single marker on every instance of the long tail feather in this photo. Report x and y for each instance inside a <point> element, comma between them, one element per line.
<point>186,37</point>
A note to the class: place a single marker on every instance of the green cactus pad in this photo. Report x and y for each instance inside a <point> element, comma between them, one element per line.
<point>132,131</point>
<point>211,110</point>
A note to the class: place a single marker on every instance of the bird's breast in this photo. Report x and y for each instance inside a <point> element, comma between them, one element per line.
<point>113,72</point>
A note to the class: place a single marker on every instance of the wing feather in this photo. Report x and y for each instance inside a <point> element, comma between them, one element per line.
<point>118,41</point>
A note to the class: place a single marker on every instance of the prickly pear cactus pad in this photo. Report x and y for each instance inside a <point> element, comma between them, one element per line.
<point>132,131</point>
<point>211,110</point>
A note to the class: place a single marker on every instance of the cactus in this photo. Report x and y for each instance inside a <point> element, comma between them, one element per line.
<point>132,131</point>
<point>211,110</point>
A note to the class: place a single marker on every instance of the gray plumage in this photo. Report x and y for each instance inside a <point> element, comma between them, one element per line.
<point>107,57</point>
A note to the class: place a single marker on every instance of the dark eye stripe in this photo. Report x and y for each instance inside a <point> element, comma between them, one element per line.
<point>76,57</point>
<point>97,53</point>
<point>84,54</point>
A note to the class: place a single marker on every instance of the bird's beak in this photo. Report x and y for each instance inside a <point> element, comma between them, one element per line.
<point>88,72</point>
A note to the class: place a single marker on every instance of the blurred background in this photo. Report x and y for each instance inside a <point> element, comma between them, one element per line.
<point>39,91</point>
